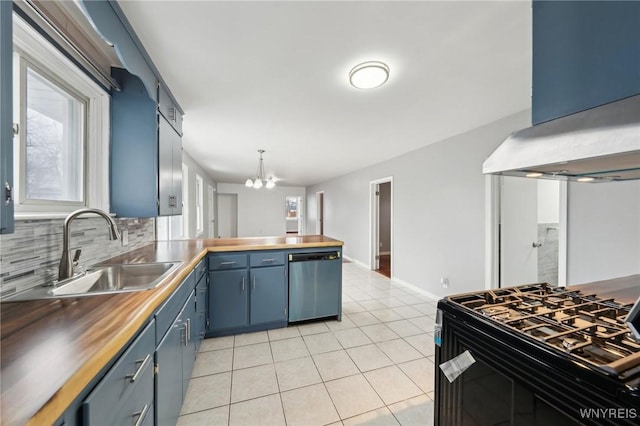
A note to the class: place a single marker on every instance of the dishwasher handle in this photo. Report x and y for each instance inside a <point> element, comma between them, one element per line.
<point>307,257</point>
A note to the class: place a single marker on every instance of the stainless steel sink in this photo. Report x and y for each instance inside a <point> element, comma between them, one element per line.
<point>105,279</point>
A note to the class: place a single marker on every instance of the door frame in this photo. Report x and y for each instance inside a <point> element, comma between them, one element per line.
<point>320,213</point>
<point>374,220</point>
<point>493,189</point>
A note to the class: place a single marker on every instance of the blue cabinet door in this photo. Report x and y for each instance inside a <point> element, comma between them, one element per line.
<point>268,294</point>
<point>169,380</point>
<point>6,118</point>
<point>585,54</point>
<point>189,318</point>
<point>201,311</point>
<point>228,299</point>
<point>134,149</point>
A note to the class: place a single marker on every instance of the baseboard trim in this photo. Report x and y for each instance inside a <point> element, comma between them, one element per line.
<point>416,289</point>
<point>357,262</point>
<point>396,280</point>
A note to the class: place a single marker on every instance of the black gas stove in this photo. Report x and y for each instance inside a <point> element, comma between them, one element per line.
<point>536,355</point>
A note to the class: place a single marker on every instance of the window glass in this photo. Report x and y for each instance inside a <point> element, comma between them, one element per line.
<point>54,141</point>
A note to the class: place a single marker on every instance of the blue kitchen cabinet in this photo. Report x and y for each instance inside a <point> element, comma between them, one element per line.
<point>247,292</point>
<point>169,376</point>
<point>585,54</point>
<point>228,299</point>
<point>175,352</point>
<point>268,295</point>
<point>201,311</point>
<point>125,395</point>
<point>6,118</point>
<point>146,154</point>
<point>169,169</point>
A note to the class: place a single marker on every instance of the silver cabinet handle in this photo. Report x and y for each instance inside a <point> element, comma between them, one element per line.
<point>243,284</point>
<point>133,377</point>
<point>173,201</point>
<point>268,260</point>
<point>227,263</point>
<point>141,415</point>
<point>254,282</point>
<point>188,330</point>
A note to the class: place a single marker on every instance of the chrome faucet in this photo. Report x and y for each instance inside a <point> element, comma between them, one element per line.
<point>65,269</point>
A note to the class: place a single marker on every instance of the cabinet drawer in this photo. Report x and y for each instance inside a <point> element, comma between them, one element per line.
<point>267,258</point>
<point>168,312</point>
<point>130,378</point>
<point>227,261</point>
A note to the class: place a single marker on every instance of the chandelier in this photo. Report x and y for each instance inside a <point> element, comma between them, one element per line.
<point>258,181</point>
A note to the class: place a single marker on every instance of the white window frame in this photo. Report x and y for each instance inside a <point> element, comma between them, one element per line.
<point>31,49</point>
<point>199,206</point>
<point>184,232</point>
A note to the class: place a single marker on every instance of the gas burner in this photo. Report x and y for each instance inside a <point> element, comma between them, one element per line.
<point>582,326</point>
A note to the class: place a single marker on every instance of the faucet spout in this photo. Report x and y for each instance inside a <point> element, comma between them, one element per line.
<point>66,267</point>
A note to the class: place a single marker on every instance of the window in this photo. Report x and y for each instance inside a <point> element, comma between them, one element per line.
<point>199,205</point>
<point>54,141</point>
<point>292,207</point>
<point>62,147</point>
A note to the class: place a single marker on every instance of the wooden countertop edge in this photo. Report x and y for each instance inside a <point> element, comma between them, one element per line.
<point>60,401</point>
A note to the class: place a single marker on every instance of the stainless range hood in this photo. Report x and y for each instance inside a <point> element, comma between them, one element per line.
<point>601,144</point>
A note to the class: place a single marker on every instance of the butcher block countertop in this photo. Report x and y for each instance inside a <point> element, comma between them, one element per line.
<point>51,349</point>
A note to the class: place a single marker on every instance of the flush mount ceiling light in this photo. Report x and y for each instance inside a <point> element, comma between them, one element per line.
<point>258,181</point>
<point>369,75</point>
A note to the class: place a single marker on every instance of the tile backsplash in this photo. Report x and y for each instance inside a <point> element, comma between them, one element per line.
<point>30,256</point>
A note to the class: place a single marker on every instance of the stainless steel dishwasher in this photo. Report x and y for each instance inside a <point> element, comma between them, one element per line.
<point>315,285</point>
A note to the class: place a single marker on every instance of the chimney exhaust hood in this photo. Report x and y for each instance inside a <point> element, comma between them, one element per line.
<point>601,144</point>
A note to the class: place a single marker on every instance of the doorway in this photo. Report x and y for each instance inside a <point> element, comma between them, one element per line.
<point>530,221</point>
<point>382,226</point>
<point>320,213</point>
<point>227,215</point>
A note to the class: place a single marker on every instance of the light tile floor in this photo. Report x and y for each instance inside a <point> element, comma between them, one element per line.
<point>375,367</point>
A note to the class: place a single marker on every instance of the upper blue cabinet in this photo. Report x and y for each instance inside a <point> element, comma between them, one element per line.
<point>585,54</point>
<point>146,124</point>
<point>6,118</point>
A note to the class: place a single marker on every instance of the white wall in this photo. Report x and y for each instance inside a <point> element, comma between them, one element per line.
<point>603,231</point>
<point>193,169</point>
<point>438,211</point>
<point>261,212</point>
<point>548,201</point>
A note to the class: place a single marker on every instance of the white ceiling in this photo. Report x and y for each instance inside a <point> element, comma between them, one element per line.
<point>273,75</point>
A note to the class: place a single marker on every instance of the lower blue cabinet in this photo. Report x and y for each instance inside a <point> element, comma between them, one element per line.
<point>268,295</point>
<point>169,375</point>
<point>175,356</point>
<point>228,299</point>
<point>247,292</point>
<point>125,394</point>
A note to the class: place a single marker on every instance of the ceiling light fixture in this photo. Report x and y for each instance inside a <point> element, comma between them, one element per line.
<point>369,75</point>
<point>585,179</point>
<point>259,180</point>
<point>533,175</point>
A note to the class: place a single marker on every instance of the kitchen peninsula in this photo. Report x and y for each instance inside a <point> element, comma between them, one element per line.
<point>55,351</point>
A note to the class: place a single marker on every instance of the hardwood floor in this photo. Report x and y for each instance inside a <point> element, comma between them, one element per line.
<point>385,265</point>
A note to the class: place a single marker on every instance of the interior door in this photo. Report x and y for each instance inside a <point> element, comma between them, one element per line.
<point>212,213</point>
<point>320,204</point>
<point>301,215</point>
<point>227,215</point>
<point>518,231</point>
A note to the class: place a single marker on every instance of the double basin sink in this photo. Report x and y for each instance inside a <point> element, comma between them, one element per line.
<point>105,279</point>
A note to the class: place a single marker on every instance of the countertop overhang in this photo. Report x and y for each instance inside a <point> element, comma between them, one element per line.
<point>53,348</point>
